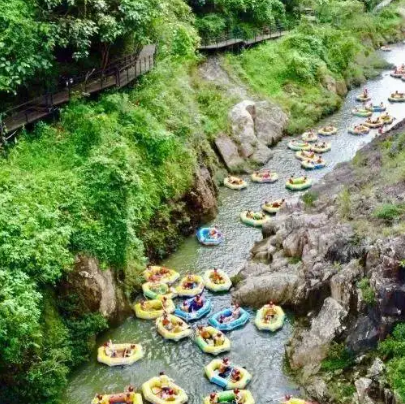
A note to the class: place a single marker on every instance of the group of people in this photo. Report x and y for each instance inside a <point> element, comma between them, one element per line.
<point>216,277</point>
<point>146,304</point>
<point>126,397</point>
<point>189,282</point>
<point>226,370</point>
<point>400,69</point>
<point>269,312</point>
<point>265,174</point>
<point>255,215</point>
<point>235,314</point>
<point>275,204</point>
<point>234,180</point>
<point>293,180</point>
<point>214,232</point>
<point>217,339</point>
<point>113,352</point>
<point>175,325</point>
<point>158,274</point>
<point>239,397</point>
<point>194,305</point>
<point>397,94</point>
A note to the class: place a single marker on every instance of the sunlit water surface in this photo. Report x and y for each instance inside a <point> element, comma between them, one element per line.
<point>261,353</point>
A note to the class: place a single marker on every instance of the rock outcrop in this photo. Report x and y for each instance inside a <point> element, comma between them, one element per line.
<point>254,127</point>
<point>95,289</point>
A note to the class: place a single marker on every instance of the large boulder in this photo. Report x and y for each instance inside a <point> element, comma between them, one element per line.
<point>308,349</point>
<point>270,122</point>
<point>96,289</point>
<point>229,152</point>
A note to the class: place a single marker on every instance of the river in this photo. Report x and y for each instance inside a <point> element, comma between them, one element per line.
<point>261,353</point>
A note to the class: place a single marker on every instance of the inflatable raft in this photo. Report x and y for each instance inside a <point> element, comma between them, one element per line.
<point>294,400</point>
<point>209,345</point>
<point>119,398</point>
<point>119,354</point>
<point>359,130</point>
<point>193,315</point>
<point>190,286</point>
<point>313,164</point>
<point>327,131</point>
<point>229,397</point>
<point>258,219</point>
<point>227,380</point>
<point>363,113</point>
<point>386,119</point>
<point>304,155</point>
<point>264,177</point>
<point>321,147</point>
<point>363,98</point>
<point>309,137</point>
<point>157,273</point>
<point>273,207</point>
<point>156,290</point>
<point>298,184</point>
<point>235,183</point>
<point>229,324</point>
<point>298,145</point>
<point>376,108</point>
<point>179,328</point>
<point>205,238</point>
<point>400,97</point>
<point>153,391</point>
<point>265,322</point>
<point>397,74</point>
<point>385,48</point>
<point>219,283</point>
<point>151,309</point>
<point>377,123</point>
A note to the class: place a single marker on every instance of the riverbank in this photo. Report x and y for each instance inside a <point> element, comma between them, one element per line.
<point>335,256</point>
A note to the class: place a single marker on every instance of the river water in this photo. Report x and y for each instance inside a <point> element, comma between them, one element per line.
<point>261,353</point>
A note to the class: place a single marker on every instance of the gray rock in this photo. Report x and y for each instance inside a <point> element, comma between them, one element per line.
<point>229,153</point>
<point>308,350</point>
<point>376,369</point>
<point>362,388</point>
<point>270,122</point>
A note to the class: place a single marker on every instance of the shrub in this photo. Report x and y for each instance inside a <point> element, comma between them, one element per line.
<point>309,198</point>
<point>367,291</point>
<point>339,357</point>
<point>388,212</point>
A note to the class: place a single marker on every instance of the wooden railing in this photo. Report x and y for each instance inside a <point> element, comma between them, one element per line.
<point>239,39</point>
<point>117,74</point>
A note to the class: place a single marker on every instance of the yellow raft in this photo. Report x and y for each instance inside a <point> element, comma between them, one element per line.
<point>304,155</point>
<point>154,308</point>
<point>156,290</point>
<point>309,137</point>
<point>327,131</point>
<point>198,286</point>
<point>298,184</point>
<point>120,354</point>
<point>179,328</point>
<point>258,219</point>
<point>126,397</point>
<point>160,274</point>
<point>386,119</point>
<point>209,346</point>
<point>263,177</point>
<point>271,324</point>
<point>321,147</point>
<point>400,97</point>
<point>294,400</point>
<point>153,391</point>
<point>226,382</point>
<point>273,207</point>
<point>222,285</point>
<point>229,397</point>
<point>374,124</point>
<point>235,183</point>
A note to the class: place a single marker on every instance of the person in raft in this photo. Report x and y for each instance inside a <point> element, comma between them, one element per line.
<point>225,368</point>
<point>236,375</point>
<point>270,312</point>
<point>196,304</point>
<point>234,180</point>
<point>239,398</point>
<point>219,339</point>
<point>167,323</point>
<point>277,204</point>
<point>265,174</point>
<point>365,92</point>
<point>189,282</point>
<point>216,277</point>
<point>203,332</point>
<point>166,392</point>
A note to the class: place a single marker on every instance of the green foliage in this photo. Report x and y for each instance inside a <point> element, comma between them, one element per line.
<point>339,358</point>
<point>294,260</point>
<point>236,279</point>
<point>345,203</point>
<point>367,291</point>
<point>388,211</point>
<point>393,348</point>
<point>309,198</point>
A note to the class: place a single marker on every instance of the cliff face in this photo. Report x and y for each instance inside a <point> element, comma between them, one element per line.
<point>339,259</point>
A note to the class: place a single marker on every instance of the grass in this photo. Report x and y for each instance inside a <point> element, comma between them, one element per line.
<point>339,358</point>
<point>309,198</point>
<point>388,211</point>
<point>367,291</point>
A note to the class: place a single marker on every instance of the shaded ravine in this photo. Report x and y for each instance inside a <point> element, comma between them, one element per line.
<point>261,353</point>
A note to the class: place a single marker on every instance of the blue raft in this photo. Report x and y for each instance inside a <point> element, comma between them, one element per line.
<point>195,315</point>
<point>231,325</point>
<point>203,236</point>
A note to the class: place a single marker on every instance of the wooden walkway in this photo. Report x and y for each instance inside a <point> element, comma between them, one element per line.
<point>229,42</point>
<point>118,74</point>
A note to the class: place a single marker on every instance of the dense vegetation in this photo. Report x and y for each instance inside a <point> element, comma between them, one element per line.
<point>298,70</point>
<point>93,182</point>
